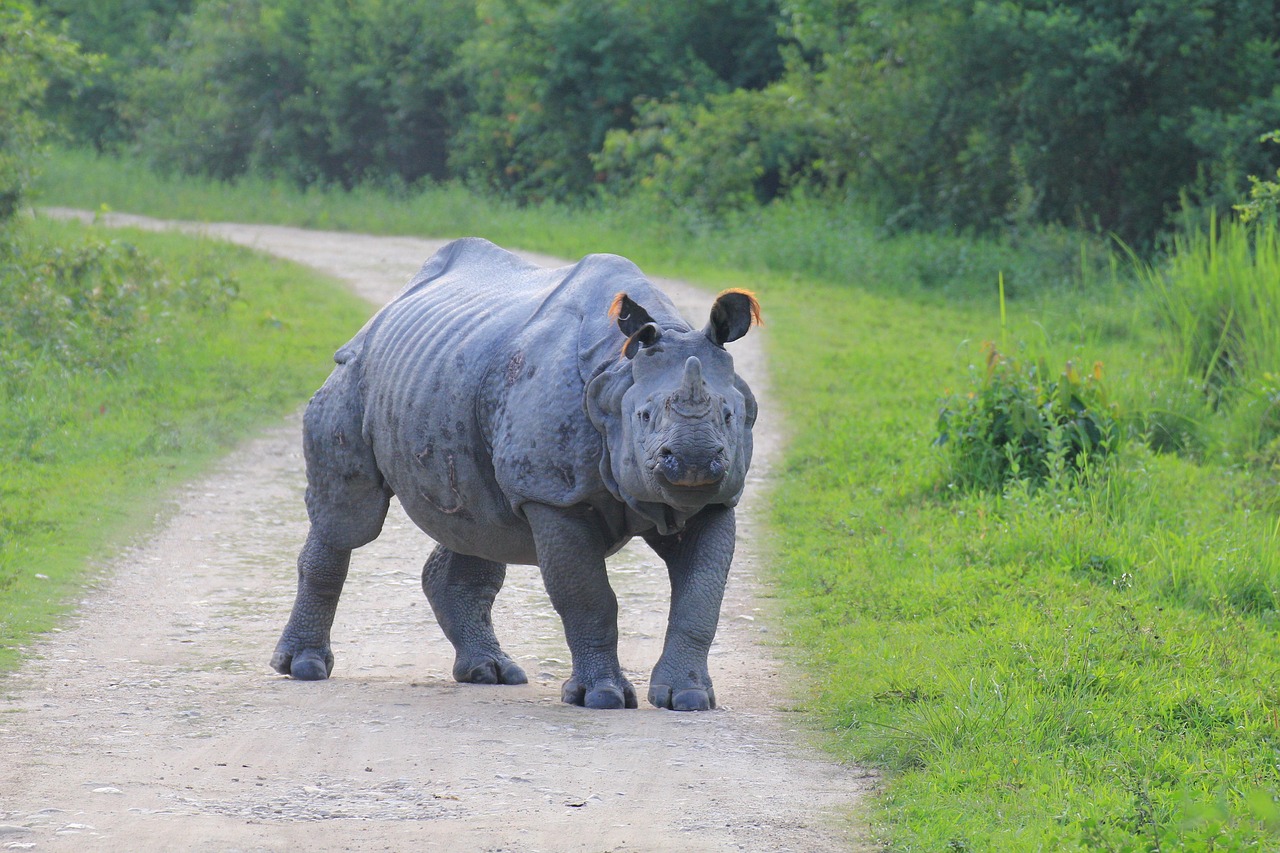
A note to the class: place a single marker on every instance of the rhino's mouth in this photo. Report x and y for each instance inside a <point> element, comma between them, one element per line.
<point>687,483</point>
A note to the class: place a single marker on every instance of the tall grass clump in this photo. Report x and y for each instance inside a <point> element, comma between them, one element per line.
<point>1218,296</point>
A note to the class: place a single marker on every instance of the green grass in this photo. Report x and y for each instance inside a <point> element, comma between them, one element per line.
<point>106,408</point>
<point>1041,670</point>
<point>1086,666</point>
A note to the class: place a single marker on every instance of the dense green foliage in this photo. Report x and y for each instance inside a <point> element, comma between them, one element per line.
<point>124,36</point>
<point>30,57</point>
<point>327,91</point>
<point>549,80</point>
<point>961,115</point>
<point>511,94</point>
<point>1096,114</point>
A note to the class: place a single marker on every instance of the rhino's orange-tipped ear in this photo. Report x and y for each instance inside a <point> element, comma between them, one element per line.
<point>646,336</point>
<point>733,314</point>
<point>630,315</point>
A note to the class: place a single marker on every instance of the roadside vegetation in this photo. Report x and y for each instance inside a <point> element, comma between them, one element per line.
<point>132,359</point>
<point>1028,522</point>
<point>129,360</point>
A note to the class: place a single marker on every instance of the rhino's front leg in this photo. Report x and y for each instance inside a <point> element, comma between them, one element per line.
<point>303,650</point>
<point>571,550</point>
<point>698,561</point>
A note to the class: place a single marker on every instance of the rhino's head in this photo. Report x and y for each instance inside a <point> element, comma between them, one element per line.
<point>676,417</point>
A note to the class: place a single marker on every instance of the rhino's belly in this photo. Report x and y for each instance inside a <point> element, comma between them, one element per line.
<point>463,511</point>
<point>501,539</point>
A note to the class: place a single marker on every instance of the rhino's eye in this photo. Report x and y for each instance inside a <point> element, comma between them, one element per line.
<point>644,417</point>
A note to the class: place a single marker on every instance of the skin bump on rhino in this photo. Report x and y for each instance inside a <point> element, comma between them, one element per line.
<point>533,416</point>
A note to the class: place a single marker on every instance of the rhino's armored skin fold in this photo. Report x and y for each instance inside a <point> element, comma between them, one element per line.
<point>535,416</point>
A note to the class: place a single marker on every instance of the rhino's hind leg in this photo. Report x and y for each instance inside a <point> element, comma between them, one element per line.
<point>303,650</point>
<point>461,590</point>
<point>347,501</point>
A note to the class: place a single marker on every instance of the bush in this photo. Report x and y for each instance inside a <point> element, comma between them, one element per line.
<point>733,152</point>
<point>1020,421</point>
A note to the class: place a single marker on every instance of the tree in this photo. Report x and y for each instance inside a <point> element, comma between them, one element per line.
<point>1076,111</point>
<point>548,79</point>
<point>314,90</point>
<point>30,56</point>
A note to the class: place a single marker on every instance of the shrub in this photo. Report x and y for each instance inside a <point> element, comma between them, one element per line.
<point>733,152</point>
<point>1020,421</point>
<point>1218,299</point>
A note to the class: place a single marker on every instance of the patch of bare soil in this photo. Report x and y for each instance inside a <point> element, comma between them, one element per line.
<point>151,721</point>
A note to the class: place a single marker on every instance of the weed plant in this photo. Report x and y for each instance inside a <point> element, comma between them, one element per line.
<point>1020,421</point>
<point>1086,666</point>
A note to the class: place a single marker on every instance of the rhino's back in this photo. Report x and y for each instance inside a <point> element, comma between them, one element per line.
<point>472,382</point>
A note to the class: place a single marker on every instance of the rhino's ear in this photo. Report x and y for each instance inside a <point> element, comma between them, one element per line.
<point>635,323</point>
<point>630,315</point>
<point>646,336</point>
<point>734,312</point>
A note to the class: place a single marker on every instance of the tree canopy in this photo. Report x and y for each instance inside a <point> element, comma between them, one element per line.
<point>955,113</point>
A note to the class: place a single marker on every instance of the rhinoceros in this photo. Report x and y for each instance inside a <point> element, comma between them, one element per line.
<point>533,416</point>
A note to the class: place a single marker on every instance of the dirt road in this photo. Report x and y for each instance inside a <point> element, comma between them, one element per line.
<point>152,721</point>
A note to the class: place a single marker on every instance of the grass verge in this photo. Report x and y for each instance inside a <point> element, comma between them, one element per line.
<point>1088,666</point>
<point>133,359</point>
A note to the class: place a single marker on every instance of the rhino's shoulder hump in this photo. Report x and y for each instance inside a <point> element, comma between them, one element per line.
<point>459,266</point>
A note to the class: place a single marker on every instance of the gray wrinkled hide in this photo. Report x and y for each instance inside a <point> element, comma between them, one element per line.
<point>517,421</point>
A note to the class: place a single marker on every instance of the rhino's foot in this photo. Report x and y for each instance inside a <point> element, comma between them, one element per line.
<point>487,669</point>
<point>604,694</point>
<point>681,688</point>
<point>304,665</point>
<point>681,699</point>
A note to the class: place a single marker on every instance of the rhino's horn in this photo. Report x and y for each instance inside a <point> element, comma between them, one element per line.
<point>693,398</point>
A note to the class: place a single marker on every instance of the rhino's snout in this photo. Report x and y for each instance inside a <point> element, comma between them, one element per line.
<point>688,473</point>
